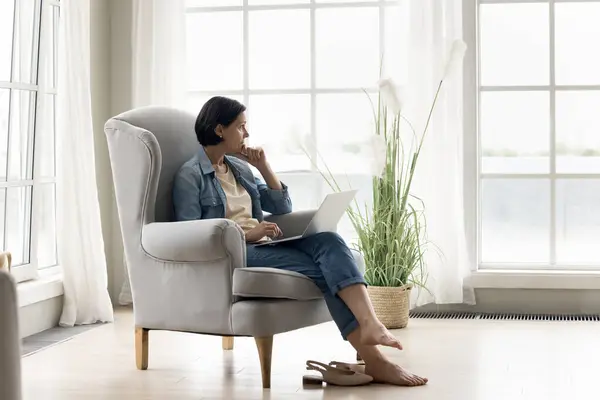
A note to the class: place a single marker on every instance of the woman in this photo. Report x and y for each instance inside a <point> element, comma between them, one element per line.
<point>325,258</point>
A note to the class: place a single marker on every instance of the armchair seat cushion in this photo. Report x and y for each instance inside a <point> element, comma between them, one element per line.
<point>274,283</point>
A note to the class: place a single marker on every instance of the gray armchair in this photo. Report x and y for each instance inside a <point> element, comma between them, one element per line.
<point>191,276</point>
<point>10,341</point>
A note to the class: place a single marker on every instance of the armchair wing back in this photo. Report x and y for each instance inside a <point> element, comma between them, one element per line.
<point>150,144</point>
<point>180,272</point>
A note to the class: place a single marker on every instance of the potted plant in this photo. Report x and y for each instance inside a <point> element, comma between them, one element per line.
<point>392,229</point>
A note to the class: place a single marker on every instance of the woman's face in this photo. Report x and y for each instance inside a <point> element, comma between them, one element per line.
<point>234,134</point>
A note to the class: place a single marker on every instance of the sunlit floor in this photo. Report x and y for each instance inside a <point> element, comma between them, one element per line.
<point>464,359</point>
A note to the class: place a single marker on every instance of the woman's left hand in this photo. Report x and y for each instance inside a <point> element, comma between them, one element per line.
<point>255,156</point>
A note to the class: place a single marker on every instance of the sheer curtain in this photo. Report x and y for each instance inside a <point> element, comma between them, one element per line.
<point>429,30</point>
<point>158,52</point>
<point>433,27</point>
<point>79,231</point>
<point>158,42</point>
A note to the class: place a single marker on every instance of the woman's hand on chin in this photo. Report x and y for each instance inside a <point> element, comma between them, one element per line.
<point>254,156</point>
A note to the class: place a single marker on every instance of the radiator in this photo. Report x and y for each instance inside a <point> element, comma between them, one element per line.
<point>506,316</point>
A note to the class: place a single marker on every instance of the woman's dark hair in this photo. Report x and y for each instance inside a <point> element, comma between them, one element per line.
<point>217,110</point>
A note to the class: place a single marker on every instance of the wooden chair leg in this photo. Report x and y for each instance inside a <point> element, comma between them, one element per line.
<point>5,261</point>
<point>141,348</point>
<point>228,342</point>
<point>265,350</point>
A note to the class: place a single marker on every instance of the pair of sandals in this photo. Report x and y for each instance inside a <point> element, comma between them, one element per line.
<point>337,373</point>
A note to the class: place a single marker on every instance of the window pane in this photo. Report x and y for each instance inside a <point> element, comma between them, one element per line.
<point>4,109</point>
<point>213,3</point>
<point>18,206</point>
<point>215,64</point>
<point>514,47</point>
<point>46,226</point>
<point>277,122</point>
<point>21,127</point>
<point>577,33</point>
<point>577,132</point>
<point>347,47</point>
<point>396,42</point>
<point>515,221</point>
<point>44,137</point>
<point>279,49</point>
<point>6,37</point>
<point>195,101</point>
<point>47,47</point>
<point>345,1</point>
<point>297,184</point>
<point>515,132</point>
<point>364,198</point>
<point>268,2</point>
<point>577,221</point>
<point>344,126</point>
<point>56,22</point>
<point>24,46</point>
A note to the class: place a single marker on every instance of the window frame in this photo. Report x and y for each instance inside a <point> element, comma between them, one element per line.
<point>245,93</point>
<point>30,270</point>
<point>473,149</point>
<point>310,174</point>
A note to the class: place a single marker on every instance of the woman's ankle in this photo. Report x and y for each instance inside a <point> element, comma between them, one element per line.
<point>372,355</point>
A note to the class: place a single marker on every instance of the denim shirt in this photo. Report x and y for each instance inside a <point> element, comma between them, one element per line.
<point>197,193</point>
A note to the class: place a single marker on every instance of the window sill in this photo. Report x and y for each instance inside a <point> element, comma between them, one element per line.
<point>47,286</point>
<point>512,279</point>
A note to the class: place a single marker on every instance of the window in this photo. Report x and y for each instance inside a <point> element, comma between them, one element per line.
<point>28,50</point>
<point>539,135</point>
<point>301,67</point>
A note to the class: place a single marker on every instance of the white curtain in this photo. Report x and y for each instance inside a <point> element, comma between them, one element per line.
<point>433,27</point>
<point>158,42</point>
<point>79,231</point>
<point>158,52</point>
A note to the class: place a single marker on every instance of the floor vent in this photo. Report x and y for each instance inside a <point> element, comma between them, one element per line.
<point>444,315</point>
<point>506,317</point>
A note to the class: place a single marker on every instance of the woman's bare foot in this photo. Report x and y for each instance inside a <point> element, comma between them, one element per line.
<point>377,334</point>
<point>387,372</point>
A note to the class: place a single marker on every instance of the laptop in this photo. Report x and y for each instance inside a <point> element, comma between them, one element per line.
<point>326,218</point>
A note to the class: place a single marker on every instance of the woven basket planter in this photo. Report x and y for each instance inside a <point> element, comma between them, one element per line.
<point>391,304</point>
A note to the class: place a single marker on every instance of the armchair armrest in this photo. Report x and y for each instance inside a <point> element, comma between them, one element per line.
<point>294,223</point>
<point>182,272</point>
<point>195,241</point>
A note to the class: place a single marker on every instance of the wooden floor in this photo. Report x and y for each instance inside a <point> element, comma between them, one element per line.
<point>464,359</point>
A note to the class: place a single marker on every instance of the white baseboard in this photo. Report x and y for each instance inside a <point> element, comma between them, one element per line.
<point>47,286</point>
<point>542,279</point>
<point>40,316</point>
<point>40,302</point>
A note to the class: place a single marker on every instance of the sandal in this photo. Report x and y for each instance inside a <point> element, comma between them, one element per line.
<point>358,367</point>
<point>335,376</point>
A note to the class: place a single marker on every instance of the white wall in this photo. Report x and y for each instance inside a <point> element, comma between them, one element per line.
<point>111,95</point>
<point>101,101</point>
<point>120,84</point>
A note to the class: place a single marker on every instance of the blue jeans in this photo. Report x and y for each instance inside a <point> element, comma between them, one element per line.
<point>326,259</point>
